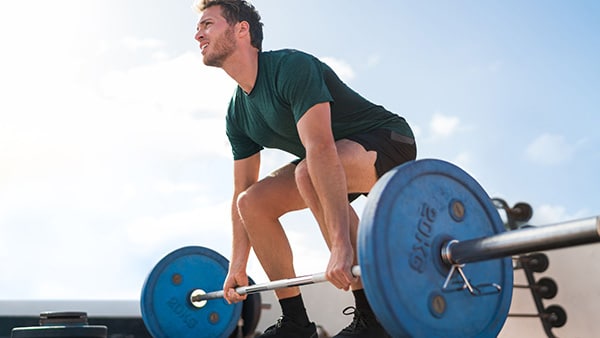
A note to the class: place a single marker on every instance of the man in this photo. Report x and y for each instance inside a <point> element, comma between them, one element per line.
<point>291,101</point>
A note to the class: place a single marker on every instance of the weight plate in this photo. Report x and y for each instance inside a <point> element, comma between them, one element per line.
<point>410,213</point>
<point>555,315</point>
<point>83,331</point>
<point>536,262</point>
<point>251,310</point>
<point>546,288</point>
<point>165,305</point>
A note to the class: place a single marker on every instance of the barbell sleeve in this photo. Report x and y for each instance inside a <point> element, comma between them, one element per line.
<point>522,241</point>
<point>273,285</point>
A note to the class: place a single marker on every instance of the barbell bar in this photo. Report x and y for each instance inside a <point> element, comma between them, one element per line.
<point>198,296</point>
<point>548,237</point>
<point>515,242</point>
<point>428,232</point>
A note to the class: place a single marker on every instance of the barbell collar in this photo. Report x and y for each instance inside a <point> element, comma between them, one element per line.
<point>522,241</point>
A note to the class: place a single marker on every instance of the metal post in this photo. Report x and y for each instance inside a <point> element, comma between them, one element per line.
<point>526,240</point>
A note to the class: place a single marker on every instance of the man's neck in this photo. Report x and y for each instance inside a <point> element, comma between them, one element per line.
<point>243,68</point>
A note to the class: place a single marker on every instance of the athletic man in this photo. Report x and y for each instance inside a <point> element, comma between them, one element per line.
<point>289,100</point>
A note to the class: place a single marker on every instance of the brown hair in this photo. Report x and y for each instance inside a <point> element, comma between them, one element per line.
<point>235,11</point>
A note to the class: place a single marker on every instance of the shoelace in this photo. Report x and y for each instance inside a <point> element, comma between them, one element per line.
<point>276,325</point>
<point>357,322</point>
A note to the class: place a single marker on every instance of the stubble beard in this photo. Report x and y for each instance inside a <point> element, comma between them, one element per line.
<point>222,48</point>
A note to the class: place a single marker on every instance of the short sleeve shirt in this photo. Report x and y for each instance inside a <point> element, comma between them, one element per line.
<point>289,83</point>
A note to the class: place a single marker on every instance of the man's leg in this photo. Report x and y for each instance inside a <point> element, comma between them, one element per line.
<point>360,176</point>
<point>260,208</point>
<point>359,167</point>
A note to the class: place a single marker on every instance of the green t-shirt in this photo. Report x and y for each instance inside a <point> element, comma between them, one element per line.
<point>288,83</point>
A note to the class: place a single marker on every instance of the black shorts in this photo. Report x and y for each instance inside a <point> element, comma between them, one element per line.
<point>392,150</point>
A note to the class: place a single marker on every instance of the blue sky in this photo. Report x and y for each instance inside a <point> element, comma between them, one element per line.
<point>112,145</point>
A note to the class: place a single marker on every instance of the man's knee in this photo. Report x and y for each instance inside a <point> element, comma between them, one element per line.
<point>302,176</point>
<point>247,203</point>
<point>256,204</point>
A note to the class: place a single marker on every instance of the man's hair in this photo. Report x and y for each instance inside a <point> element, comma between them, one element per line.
<point>235,11</point>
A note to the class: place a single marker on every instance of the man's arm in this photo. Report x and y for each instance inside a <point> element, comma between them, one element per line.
<point>245,173</point>
<point>329,181</point>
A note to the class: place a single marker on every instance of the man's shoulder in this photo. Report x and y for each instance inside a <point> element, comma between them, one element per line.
<point>284,54</point>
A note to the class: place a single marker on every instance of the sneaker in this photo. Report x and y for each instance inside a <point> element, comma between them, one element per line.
<point>287,328</point>
<point>362,326</point>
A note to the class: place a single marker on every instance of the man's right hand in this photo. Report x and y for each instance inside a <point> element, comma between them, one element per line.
<point>234,279</point>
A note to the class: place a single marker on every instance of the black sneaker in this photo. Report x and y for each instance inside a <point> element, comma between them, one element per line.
<point>287,328</point>
<point>362,326</point>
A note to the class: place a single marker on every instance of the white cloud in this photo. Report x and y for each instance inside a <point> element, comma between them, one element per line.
<point>463,159</point>
<point>71,131</point>
<point>90,234</point>
<point>179,85</point>
<point>141,43</point>
<point>443,126</point>
<point>102,182</point>
<point>341,67</point>
<point>417,131</point>
<point>147,233</point>
<point>550,214</point>
<point>167,187</point>
<point>160,55</point>
<point>550,149</point>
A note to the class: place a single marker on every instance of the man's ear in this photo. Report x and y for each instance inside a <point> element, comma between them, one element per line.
<point>243,28</point>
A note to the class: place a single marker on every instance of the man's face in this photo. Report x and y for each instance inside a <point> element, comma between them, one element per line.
<point>216,37</point>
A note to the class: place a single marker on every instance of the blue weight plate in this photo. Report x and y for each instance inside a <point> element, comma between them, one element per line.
<point>251,310</point>
<point>410,213</point>
<point>165,305</point>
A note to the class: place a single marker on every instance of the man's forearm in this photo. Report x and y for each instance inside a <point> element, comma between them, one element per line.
<point>240,250</point>
<point>329,181</point>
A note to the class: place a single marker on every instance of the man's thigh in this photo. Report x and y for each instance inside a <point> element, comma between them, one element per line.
<point>359,165</point>
<point>368,156</point>
<point>278,191</point>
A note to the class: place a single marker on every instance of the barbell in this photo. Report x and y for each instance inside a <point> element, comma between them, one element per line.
<point>434,259</point>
